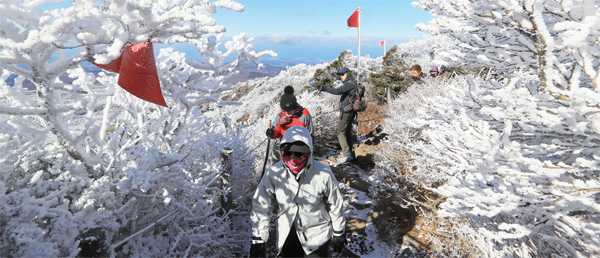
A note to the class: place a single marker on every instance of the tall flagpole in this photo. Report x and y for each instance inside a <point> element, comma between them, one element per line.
<point>384,48</point>
<point>358,59</point>
<point>358,75</point>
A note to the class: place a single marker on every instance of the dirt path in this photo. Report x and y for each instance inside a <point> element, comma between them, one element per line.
<point>378,226</point>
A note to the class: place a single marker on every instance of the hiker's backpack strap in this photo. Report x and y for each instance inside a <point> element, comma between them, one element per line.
<point>305,112</point>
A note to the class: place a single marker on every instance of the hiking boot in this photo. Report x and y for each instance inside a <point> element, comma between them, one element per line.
<point>346,159</point>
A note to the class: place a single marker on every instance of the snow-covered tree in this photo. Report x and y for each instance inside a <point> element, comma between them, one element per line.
<point>430,50</point>
<point>556,39</point>
<point>520,166</point>
<point>80,153</point>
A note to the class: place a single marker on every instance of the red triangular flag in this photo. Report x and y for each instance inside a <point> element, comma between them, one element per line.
<point>137,72</point>
<point>382,42</point>
<point>353,20</point>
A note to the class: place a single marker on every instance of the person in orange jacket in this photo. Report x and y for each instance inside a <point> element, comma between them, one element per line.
<point>291,114</point>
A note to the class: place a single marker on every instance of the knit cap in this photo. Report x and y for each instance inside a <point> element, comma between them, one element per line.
<point>288,100</point>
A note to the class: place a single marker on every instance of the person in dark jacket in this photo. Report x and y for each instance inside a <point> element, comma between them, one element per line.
<point>344,129</point>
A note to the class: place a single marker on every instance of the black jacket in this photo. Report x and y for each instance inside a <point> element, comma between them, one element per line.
<point>348,89</point>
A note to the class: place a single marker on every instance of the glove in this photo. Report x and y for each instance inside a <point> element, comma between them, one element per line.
<point>258,250</point>
<point>338,243</point>
<point>313,83</point>
<point>270,132</point>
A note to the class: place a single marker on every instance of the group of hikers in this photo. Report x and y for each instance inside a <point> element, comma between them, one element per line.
<point>292,114</point>
<point>303,191</point>
<point>417,75</point>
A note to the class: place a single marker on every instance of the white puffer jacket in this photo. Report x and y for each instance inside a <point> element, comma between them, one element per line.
<point>311,200</point>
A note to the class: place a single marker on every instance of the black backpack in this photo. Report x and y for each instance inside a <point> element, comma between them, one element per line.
<point>359,104</point>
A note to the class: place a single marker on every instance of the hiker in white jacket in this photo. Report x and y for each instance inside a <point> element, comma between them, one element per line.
<point>308,201</point>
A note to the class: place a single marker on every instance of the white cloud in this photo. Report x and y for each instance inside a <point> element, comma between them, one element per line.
<point>280,39</point>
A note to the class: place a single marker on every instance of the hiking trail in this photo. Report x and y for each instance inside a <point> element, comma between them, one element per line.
<point>371,218</point>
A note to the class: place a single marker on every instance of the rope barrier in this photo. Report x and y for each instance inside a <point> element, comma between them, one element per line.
<point>323,113</point>
<point>263,141</point>
<point>360,121</point>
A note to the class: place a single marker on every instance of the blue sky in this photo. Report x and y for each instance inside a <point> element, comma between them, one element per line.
<point>317,29</point>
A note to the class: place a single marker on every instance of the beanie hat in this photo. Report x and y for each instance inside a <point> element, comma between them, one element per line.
<point>288,100</point>
<point>433,69</point>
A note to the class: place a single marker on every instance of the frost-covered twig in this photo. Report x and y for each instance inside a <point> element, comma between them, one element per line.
<point>125,240</point>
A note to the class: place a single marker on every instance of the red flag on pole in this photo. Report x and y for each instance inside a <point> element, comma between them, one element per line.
<point>381,43</point>
<point>353,20</point>
<point>137,72</point>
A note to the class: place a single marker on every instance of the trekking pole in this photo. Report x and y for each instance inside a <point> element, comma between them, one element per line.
<point>357,128</point>
<point>266,154</point>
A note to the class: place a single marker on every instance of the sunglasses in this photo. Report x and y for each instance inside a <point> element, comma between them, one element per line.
<point>289,153</point>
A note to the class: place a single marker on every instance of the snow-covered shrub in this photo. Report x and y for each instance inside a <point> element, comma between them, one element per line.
<point>81,153</point>
<point>556,38</point>
<point>521,166</point>
<point>428,51</point>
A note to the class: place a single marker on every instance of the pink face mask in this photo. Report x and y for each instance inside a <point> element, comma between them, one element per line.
<point>295,165</point>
